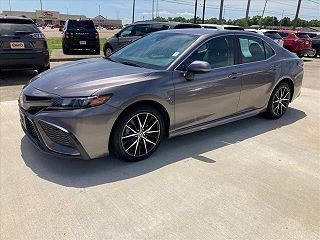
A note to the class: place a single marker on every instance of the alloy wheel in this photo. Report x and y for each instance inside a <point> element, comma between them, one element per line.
<point>140,134</point>
<point>281,101</point>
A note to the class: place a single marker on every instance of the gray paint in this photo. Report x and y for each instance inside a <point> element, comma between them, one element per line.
<point>211,99</point>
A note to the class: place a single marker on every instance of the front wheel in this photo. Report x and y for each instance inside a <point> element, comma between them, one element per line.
<point>279,101</point>
<point>137,134</point>
<point>108,51</point>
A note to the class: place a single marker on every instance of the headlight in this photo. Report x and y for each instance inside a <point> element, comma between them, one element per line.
<point>81,102</point>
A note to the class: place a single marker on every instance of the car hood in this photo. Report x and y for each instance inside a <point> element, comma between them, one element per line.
<point>85,77</point>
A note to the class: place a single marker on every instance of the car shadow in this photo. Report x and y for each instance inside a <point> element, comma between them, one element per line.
<point>16,77</point>
<point>80,173</point>
<point>81,52</point>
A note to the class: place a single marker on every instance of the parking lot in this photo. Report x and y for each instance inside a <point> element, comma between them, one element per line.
<point>251,179</point>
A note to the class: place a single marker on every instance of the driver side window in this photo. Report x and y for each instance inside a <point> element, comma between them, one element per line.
<point>127,32</point>
<point>218,52</point>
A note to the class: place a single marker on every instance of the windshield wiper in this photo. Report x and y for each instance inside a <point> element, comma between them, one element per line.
<point>130,64</point>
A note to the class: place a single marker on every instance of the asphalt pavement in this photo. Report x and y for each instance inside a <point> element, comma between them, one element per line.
<point>251,179</point>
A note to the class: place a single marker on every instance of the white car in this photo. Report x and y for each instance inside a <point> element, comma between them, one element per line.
<point>273,34</point>
<point>221,27</point>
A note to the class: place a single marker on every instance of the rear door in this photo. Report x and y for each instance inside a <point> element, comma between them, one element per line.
<point>258,70</point>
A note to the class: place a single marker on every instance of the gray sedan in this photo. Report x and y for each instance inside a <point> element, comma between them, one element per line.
<point>166,84</point>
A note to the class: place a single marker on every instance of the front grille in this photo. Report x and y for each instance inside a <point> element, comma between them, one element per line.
<point>57,135</point>
<point>31,129</point>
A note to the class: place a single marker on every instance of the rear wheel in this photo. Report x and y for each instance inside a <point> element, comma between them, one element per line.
<point>65,50</point>
<point>279,101</point>
<point>108,51</point>
<point>137,134</point>
<point>97,50</point>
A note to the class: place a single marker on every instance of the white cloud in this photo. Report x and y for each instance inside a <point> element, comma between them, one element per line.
<point>184,14</point>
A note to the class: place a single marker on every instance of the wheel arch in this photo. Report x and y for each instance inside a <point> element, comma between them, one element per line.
<point>289,82</point>
<point>150,103</point>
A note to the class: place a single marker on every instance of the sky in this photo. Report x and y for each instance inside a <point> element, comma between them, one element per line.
<point>122,9</point>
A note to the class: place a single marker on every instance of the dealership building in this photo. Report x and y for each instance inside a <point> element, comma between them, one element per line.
<point>54,17</point>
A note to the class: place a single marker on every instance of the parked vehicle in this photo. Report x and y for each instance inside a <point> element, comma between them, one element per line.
<point>163,85</point>
<point>22,45</point>
<point>80,34</point>
<point>221,27</point>
<point>56,26</point>
<point>315,37</point>
<point>274,35</point>
<point>137,30</point>
<point>299,43</point>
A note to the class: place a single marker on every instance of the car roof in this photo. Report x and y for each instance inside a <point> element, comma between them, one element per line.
<point>18,19</point>
<point>167,23</point>
<point>208,32</point>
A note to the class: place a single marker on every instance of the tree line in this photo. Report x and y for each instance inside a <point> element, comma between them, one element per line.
<point>266,21</point>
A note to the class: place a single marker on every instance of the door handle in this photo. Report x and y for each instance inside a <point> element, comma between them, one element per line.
<point>234,75</point>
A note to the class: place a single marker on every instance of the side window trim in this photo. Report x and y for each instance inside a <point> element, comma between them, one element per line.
<point>235,52</point>
<point>263,41</point>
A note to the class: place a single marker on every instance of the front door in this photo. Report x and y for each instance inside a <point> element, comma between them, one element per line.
<point>209,96</point>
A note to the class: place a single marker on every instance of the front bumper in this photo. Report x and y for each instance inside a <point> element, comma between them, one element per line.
<point>33,59</point>
<point>82,133</point>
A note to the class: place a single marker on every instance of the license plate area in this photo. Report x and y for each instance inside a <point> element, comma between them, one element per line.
<point>17,45</point>
<point>83,42</point>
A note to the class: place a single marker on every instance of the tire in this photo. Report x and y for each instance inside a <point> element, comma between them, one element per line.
<point>279,101</point>
<point>66,50</point>
<point>108,51</point>
<point>97,50</point>
<point>128,142</point>
<point>42,69</point>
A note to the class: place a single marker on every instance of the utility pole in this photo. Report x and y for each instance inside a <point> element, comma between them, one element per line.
<point>10,7</point>
<point>41,11</point>
<point>133,9</point>
<point>295,22</point>
<point>195,12</point>
<point>281,19</point>
<point>157,9</point>
<point>152,9</point>
<point>221,11</point>
<point>203,10</point>
<point>99,9</point>
<point>247,12</point>
<point>264,9</point>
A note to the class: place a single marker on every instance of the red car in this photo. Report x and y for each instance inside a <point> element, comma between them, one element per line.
<point>297,42</point>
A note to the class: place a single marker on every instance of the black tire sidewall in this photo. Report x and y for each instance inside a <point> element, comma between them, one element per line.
<point>115,139</point>
<point>269,112</point>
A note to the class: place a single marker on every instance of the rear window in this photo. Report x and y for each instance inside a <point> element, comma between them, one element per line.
<point>182,26</point>
<point>211,27</point>
<point>302,35</point>
<point>12,29</point>
<point>283,34</point>
<point>273,35</point>
<point>87,25</point>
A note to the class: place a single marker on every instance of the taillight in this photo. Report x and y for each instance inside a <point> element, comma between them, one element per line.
<point>300,63</point>
<point>97,35</point>
<point>67,34</point>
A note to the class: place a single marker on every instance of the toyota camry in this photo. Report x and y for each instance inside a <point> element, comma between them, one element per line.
<point>166,84</point>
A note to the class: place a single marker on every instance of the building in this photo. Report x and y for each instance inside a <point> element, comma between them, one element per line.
<point>104,22</point>
<point>54,17</point>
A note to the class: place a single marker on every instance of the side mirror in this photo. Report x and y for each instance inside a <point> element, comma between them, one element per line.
<point>197,67</point>
<point>117,35</point>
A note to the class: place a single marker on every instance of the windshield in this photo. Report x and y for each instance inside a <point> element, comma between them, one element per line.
<point>88,25</point>
<point>155,51</point>
<point>273,35</point>
<point>12,29</point>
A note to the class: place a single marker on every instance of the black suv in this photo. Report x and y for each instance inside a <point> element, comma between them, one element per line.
<point>22,45</point>
<point>80,34</point>
<point>137,30</point>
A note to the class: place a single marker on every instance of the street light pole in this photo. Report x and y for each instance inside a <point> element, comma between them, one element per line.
<point>41,11</point>
<point>203,10</point>
<point>10,7</point>
<point>265,5</point>
<point>195,12</point>
<point>133,9</point>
